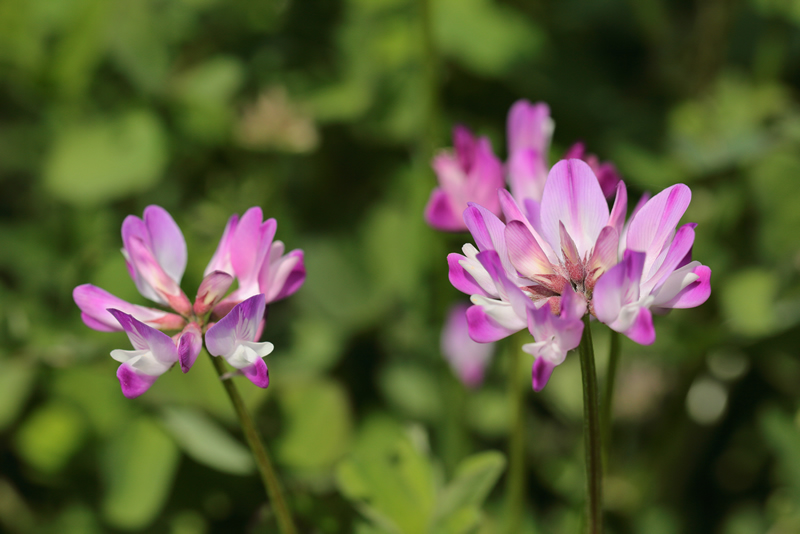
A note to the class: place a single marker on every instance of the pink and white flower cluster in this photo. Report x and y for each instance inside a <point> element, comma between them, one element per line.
<point>550,250</point>
<point>155,254</point>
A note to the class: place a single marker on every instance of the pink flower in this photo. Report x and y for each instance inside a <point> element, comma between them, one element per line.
<point>154,353</point>
<point>467,358</point>
<point>235,336</point>
<point>571,242</point>
<point>472,173</point>
<point>155,253</point>
<point>656,273</point>
<point>247,252</point>
<point>605,171</point>
<point>530,129</point>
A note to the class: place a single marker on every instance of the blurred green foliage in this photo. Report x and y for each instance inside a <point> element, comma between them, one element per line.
<point>326,113</point>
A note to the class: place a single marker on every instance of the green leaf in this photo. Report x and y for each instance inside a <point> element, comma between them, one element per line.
<point>319,424</point>
<point>16,379</point>
<point>474,479</point>
<point>389,479</point>
<point>100,161</point>
<point>414,390</point>
<point>50,436</point>
<point>205,441</point>
<point>140,466</point>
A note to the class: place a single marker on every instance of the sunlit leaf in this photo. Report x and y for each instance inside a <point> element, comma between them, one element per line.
<point>139,468</point>
<point>50,436</point>
<point>207,442</point>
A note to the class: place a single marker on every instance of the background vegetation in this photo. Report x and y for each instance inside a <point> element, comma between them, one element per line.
<point>326,114</point>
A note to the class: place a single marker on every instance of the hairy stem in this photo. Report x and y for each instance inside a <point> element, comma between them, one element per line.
<point>591,434</point>
<point>268,476</point>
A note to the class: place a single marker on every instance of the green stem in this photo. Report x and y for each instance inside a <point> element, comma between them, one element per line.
<point>608,394</point>
<point>268,476</point>
<point>516,441</point>
<point>591,433</point>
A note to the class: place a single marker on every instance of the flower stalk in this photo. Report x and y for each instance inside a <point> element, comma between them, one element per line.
<point>591,433</point>
<point>608,394</point>
<point>265,468</point>
<point>515,489</point>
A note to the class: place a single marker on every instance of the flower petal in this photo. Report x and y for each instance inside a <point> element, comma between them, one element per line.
<point>529,126</point>
<point>656,221</point>
<point>212,289</point>
<point>94,303</point>
<point>189,345</point>
<point>527,174</point>
<point>281,276</point>
<point>133,383</point>
<point>221,260</point>
<point>693,284</point>
<point>642,331</point>
<point>144,337</point>
<point>166,239</point>
<point>540,373</point>
<point>462,278</point>
<point>489,323</point>
<point>524,251</point>
<point>240,324</point>
<point>257,373</point>
<point>467,358</point>
<point>573,197</point>
<point>439,213</point>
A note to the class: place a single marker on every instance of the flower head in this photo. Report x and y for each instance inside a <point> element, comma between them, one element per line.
<point>155,254</point>
<point>471,173</point>
<point>530,130</point>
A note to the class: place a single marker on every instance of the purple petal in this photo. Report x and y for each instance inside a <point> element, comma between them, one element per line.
<point>221,260</point>
<point>524,251</point>
<point>681,246</point>
<point>439,213</point>
<point>573,197</point>
<point>169,246</point>
<point>617,218</point>
<point>540,374</point>
<point>527,174</point>
<point>133,383</point>
<point>154,276</point>
<point>257,373</point>
<point>240,324</point>
<point>189,346</point>
<point>250,244</point>
<point>293,263</point>
<point>484,329</point>
<point>144,337</point>
<point>655,222</point>
<point>460,278</point>
<point>694,294</point>
<point>94,303</point>
<point>464,143</point>
<point>467,358</point>
<point>508,290</point>
<point>529,126</point>
<point>617,287</point>
<point>642,331</point>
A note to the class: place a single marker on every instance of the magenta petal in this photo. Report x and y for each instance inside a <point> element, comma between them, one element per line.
<point>617,218</point>
<point>529,126</point>
<point>460,278</point>
<point>540,374</point>
<point>294,280</point>
<point>221,260</point>
<point>464,143</point>
<point>133,383</point>
<point>527,172</point>
<point>513,294</point>
<point>485,227</point>
<point>695,293</point>
<point>642,331</point>
<point>257,373</point>
<point>144,337</point>
<point>524,251</point>
<point>679,248</point>
<point>94,303</point>
<point>467,358</point>
<point>654,223</point>
<point>439,213</point>
<point>189,345</point>
<point>573,197</point>
<point>484,329</point>
<point>169,246</point>
<point>241,324</point>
